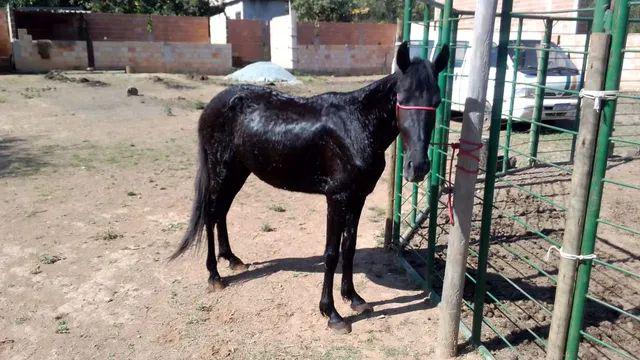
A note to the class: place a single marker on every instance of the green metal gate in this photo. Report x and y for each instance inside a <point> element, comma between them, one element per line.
<point>519,211</point>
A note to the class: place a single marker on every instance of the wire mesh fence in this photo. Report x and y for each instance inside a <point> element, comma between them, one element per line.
<point>521,199</point>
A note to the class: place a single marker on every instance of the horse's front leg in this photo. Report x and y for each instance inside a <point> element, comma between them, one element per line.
<point>348,292</point>
<point>335,227</point>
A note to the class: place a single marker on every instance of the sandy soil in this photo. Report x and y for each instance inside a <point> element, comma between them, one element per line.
<point>96,189</point>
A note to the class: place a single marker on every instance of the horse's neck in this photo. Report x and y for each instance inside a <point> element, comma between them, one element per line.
<point>379,103</point>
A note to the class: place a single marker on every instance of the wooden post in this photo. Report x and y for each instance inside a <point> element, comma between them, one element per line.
<point>580,182</point>
<point>391,176</point>
<point>465,182</point>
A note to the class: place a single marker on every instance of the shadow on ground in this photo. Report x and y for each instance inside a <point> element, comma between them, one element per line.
<point>16,159</point>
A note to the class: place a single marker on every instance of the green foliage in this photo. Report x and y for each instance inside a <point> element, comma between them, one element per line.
<point>324,10</point>
<point>353,10</point>
<point>161,7</point>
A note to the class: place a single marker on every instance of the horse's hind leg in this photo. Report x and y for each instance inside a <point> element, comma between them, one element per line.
<point>215,281</point>
<point>229,189</point>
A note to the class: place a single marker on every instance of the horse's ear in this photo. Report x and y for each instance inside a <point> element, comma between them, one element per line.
<point>402,56</point>
<point>441,60</point>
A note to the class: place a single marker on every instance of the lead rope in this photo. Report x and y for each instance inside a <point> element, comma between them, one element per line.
<point>461,153</point>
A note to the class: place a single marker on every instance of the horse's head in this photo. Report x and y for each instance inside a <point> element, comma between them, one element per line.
<point>418,96</point>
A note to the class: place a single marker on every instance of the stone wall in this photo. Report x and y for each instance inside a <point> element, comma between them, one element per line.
<point>332,48</point>
<point>142,56</point>
<point>345,59</point>
<point>44,55</point>
<point>166,57</point>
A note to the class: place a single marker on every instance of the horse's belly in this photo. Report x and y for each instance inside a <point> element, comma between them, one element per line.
<point>300,170</point>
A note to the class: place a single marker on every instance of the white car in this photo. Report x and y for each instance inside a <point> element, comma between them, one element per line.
<point>562,74</point>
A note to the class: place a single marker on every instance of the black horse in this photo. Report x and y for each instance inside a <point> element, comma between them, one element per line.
<point>331,144</point>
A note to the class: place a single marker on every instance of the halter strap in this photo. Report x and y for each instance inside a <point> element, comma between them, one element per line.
<point>415,107</point>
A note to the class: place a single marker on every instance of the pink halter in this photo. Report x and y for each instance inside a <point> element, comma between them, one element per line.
<point>412,107</point>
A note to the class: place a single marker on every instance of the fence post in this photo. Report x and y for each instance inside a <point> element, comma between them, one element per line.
<point>543,62</point>
<point>434,180</point>
<point>491,168</point>
<point>612,82</point>
<point>464,188</point>
<point>585,147</point>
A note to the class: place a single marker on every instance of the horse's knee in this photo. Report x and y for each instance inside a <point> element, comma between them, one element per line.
<point>330,260</point>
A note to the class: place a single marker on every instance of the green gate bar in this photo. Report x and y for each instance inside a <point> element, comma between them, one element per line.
<point>434,180</point>
<point>397,201</point>
<point>543,62</point>
<point>516,64</point>
<point>491,168</point>
<point>612,82</point>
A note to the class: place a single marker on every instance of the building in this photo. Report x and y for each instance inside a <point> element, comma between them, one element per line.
<point>257,9</point>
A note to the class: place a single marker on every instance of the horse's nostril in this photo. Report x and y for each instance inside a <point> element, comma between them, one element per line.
<point>410,164</point>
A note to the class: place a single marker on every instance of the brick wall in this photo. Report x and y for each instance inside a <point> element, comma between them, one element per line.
<point>163,56</point>
<point>630,79</point>
<point>5,42</point>
<point>345,59</point>
<point>324,33</point>
<point>62,54</point>
<point>532,26</point>
<point>132,27</point>
<point>249,40</point>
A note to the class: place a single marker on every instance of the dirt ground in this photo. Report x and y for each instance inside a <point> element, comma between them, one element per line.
<point>96,189</point>
<point>521,295</point>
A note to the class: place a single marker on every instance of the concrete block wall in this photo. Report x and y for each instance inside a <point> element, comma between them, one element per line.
<point>134,27</point>
<point>63,55</point>
<point>345,59</point>
<point>166,57</point>
<point>332,48</point>
<point>326,33</point>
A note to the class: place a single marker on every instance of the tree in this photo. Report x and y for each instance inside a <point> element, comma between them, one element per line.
<point>324,10</point>
<point>162,7</point>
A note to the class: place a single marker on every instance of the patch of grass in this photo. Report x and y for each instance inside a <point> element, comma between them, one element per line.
<point>196,320</point>
<point>204,308</point>
<point>174,227</point>
<point>2,100</point>
<point>198,105</point>
<point>50,259</point>
<point>168,111</point>
<point>109,235</point>
<point>32,93</point>
<point>277,208</point>
<point>395,352</point>
<point>131,193</point>
<point>63,327</point>
<point>21,320</point>
<point>341,353</point>
<point>266,227</point>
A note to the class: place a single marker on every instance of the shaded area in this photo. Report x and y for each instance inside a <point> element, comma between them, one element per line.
<point>16,159</point>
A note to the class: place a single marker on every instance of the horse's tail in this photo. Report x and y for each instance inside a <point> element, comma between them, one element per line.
<point>200,209</point>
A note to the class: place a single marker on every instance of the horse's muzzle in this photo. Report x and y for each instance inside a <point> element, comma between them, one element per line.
<point>416,171</point>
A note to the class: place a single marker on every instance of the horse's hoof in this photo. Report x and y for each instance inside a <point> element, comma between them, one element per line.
<point>216,285</point>
<point>238,266</point>
<point>339,326</point>
<point>362,308</point>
